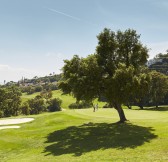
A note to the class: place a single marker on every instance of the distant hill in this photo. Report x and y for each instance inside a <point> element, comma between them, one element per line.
<point>36,84</point>
<point>159,63</point>
<point>47,79</point>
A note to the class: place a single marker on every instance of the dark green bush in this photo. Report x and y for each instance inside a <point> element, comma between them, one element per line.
<point>38,88</point>
<point>54,104</point>
<point>25,109</point>
<point>37,105</point>
<point>80,105</point>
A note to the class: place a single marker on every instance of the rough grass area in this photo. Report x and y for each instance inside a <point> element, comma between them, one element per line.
<point>87,136</point>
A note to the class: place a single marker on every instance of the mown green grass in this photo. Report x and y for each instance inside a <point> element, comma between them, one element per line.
<point>26,97</point>
<point>87,136</point>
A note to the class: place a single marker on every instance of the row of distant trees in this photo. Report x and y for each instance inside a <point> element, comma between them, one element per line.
<point>12,105</point>
<point>30,89</point>
<point>36,80</point>
<point>37,84</point>
<point>117,71</point>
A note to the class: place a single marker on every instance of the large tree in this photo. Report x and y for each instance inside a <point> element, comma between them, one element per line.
<point>119,88</point>
<point>113,49</point>
<point>109,72</point>
<point>120,47</point>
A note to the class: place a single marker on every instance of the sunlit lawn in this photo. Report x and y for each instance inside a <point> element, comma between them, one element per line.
<point>87,136</point>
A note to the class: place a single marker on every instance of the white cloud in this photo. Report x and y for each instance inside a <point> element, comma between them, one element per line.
<point>64,14</point>
<point>72,17</point>
<point>9,73</point>
<point>157,48</point>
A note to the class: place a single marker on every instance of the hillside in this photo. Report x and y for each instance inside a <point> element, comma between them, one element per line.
<point>66,98</point>
<point>159,63</point>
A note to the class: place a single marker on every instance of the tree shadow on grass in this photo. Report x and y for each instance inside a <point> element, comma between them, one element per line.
<point>160,108</point>
<point>94,136</point>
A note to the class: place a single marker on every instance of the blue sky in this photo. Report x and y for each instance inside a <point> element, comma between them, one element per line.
<point>37,35</point>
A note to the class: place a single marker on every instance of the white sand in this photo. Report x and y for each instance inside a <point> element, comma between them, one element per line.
<point>7,127</point>
<point>13,121</point>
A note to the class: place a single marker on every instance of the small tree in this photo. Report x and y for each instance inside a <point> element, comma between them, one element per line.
<point>46,94</point>
<point>10,101</point>
<point>25,109</point>
<point>54,104</point>
<point>37,105</point>
<point>38,88</point>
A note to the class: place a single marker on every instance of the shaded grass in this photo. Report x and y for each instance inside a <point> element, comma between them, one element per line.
<point>78,140</point>
<point>160,108</point>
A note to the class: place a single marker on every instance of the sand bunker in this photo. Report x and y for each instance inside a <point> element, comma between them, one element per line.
<point>7,127</point>
<point>13,121</point>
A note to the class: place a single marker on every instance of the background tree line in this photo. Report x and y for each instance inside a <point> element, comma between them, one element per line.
<point>11,104</point>
<point>36,84</point>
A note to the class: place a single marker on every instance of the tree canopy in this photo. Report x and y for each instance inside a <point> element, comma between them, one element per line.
<point>109,72</point>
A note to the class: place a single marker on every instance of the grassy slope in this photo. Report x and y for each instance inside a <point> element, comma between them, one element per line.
<point>67,99</point>
<point>87,136</point>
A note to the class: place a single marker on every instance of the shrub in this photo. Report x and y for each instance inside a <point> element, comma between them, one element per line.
<point>30,90</point>
<point>80,105</point>
<point>25,109</point>
<point>1,114</point>
<point>38,88</point>
<point>54,104</point>
<point>37,105</point>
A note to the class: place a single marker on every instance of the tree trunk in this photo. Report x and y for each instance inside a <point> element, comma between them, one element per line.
<point>120,113</point>
<point>129,106</point>
<point>141,105</point>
